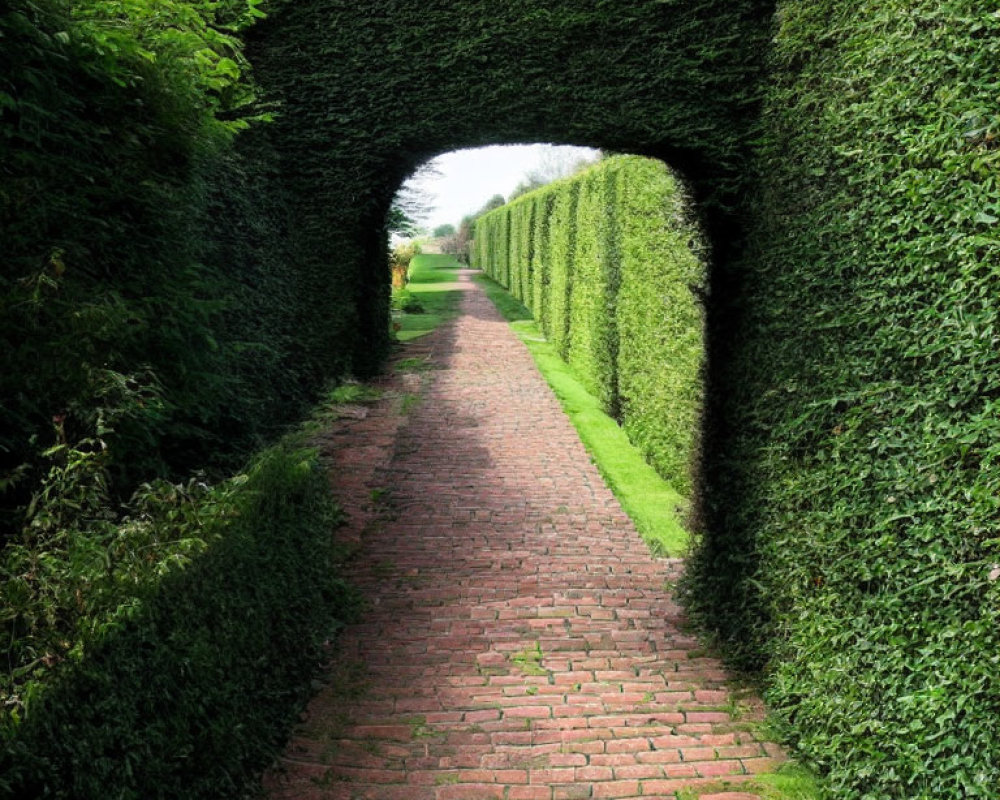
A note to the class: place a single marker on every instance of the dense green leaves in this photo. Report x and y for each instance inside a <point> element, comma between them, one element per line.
<point>147,302</point>
<point>661,321</point>
<point>124,312</point>
<point>162,655</point>
<point>614,267</point>
<point>172,294</point>
<point>854,511</point>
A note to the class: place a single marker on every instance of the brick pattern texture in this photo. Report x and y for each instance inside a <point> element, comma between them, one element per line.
<point>520,643</point>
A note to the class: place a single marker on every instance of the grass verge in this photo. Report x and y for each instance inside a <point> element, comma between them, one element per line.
<point>655,507</point>
<point>428,299</point>
<point>790,782</point>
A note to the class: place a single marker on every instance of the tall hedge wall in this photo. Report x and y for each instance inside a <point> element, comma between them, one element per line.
<point>852,542</point>
<point>622,266</point>
<point>150,329</point>
<point>149,294</point>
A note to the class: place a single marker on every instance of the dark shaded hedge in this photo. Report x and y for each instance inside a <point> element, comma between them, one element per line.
<point>150,319</point>
<point>147,292</point>
<point>188,688</point>
<point>619,259</point>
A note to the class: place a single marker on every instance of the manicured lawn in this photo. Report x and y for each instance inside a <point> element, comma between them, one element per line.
<point>431,291</point>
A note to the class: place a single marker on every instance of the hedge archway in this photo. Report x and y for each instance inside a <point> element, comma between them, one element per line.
<point>843,157</point>
<point>365,97</point>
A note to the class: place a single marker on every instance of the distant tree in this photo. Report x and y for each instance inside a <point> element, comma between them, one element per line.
<point>554,165</point>
<point>398,221</point>
<point>444,230</point>
<point>494,202</point>
<point>411,205</point>
<point>458,243</point>
<point>533,180</point>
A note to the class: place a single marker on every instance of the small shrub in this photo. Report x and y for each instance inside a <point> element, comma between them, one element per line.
<point>399,263</point>
<point>404,301</point>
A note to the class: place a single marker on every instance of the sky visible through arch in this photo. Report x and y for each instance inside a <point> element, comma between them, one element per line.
<point>466,179</point>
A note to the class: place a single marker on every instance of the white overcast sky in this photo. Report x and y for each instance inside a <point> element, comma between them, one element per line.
<point>468,178</point>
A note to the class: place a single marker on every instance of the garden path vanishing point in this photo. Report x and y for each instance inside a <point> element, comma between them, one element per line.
<point>519,641</point>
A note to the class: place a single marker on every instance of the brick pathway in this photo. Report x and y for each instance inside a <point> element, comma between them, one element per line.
<point>520,641</point>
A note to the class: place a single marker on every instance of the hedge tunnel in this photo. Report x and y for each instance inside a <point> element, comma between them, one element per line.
<point>842,158</point>
<point>367,97</point>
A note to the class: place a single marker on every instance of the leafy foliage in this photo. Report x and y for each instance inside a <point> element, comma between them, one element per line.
<point>147,303</point>
<point>175,293</point>
<point>162,655</point>
<point>121,310</point>
<point>399,263</point>
<point>619,260</point>
<point>411,204</point>
<point>852,531</point>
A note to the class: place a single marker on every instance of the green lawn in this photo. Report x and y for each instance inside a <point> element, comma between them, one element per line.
<point>428,299</point>
<point>654,506</point>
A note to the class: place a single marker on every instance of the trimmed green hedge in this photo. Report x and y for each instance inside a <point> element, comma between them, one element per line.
<point>562,241</point>
<point>183,673</point>
<point>190,291</point>
<point>537,297</point>
<point>614,268</point>
<point>852,543</point>
<point>661,322</point>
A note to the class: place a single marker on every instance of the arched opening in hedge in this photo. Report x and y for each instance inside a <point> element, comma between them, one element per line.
<point>364,99</point>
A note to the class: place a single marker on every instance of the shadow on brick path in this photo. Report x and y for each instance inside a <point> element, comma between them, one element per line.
<point>520,642</point>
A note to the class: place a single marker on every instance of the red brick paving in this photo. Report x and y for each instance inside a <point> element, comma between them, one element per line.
<point>519,643</point>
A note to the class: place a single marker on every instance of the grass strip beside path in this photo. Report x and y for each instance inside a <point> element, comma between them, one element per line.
<point>655,507</point>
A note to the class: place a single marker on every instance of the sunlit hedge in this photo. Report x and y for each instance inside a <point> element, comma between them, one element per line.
<point>612,264</point>
<point>853,541</point>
